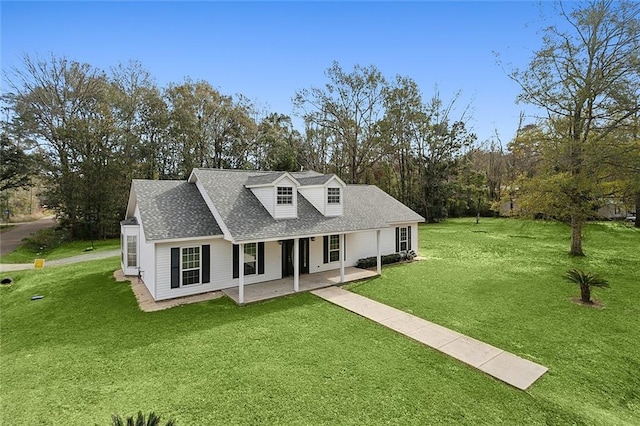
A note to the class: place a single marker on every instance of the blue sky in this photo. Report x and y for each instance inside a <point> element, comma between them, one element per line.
<point>269,50</point>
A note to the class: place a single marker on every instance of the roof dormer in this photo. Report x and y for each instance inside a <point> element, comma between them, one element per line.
<point>325,192</point>
<point>278,193</point>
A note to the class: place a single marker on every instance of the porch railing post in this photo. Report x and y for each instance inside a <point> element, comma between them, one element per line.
<point>296,264</point>
<point>378,260</point>
<point>342,237</point>
<point>241,275</point>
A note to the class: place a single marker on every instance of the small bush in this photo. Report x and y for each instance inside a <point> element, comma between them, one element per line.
<point>152,420</point>
<point>370,262</point>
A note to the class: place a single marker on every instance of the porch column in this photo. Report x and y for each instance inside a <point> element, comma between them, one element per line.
<point>342,237</point>
<point>296,264</point>
<point>378,260</point>
<point>241,274</point>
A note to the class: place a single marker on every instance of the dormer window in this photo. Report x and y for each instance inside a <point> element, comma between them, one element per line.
<point>285,195</point>
<point>333,195</point>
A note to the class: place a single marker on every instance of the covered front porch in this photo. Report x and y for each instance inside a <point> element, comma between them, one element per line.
<point>282,287</point>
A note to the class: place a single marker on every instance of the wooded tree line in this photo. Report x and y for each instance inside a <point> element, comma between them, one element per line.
<point>92,131</point>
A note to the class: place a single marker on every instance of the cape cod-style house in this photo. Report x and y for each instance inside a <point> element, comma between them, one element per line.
<point>230,228</point>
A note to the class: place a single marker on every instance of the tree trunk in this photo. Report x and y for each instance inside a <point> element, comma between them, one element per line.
<point>576,236</point>
<point>585,293</point>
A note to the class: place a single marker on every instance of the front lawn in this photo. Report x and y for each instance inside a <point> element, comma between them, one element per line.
<point>85,350</point>
<point>501,282</point>
<point>24,254</point>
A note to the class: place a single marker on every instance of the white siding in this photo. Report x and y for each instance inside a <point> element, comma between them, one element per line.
<point>333,209</point>
<point>315,195</point>
<point>358,245</point>
<point>391,248</point>
<point>146,258</point>
<point>388,241</point>
<point>285,211</point>
<point>221,268</point>
<point>128,231</point>
<point>266,197</point>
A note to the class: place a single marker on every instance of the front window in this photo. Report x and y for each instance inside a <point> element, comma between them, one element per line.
<point>190,265</point>
<point>334,248</point>
<point>250,259</point>
<point>333,195</point>
<point>285,195</point>
<point>404,241</point>
<point>132,251</point>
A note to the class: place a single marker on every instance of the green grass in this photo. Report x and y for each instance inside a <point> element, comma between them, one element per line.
<point>85,350</point>
<point>24,254</point>
<point>501,282</point>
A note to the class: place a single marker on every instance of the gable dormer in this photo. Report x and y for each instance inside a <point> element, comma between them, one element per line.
<point>325,192</point>
<point>278,193</point>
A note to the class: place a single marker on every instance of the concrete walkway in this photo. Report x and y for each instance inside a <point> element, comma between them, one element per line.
<point>5,267</point>
<point>502,365</point>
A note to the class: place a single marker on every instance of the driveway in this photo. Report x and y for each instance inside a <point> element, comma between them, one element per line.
<point>12,239</point>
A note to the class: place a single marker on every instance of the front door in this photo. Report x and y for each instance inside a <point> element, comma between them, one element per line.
<point>287,257</point>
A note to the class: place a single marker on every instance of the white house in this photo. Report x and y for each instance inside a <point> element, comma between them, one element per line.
<point>229,228</point>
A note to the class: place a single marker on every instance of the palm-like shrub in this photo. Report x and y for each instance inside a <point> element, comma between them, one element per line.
<point>585,280</point>
<point>152,420</point>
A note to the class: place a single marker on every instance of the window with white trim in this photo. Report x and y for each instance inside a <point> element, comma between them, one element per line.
<point>333,195</point>
<point>334,248</point>
<point>285,195</point>
<point>190,265</point>
<point>404,239</point>
<point>132,251</point>
<point>250,259</point>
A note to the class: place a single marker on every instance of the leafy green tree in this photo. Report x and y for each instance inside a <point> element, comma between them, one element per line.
<point>586,77</point>
<point>279,144</point>
<point>207,128</point>
<point>440,144</point>
<point>400,128</point>
<point>349,107</point>
<point>586,280</point>
<point>141,119</point>
<point>65,107</point>
<point>16,166</point>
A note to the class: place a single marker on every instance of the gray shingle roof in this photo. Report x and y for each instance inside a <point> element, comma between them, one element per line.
<point>314,180</point>
<point>381,204</point>
<point>173,209</point>
<point>365,207</point>
<point>263,178</point>
<point>130,221</point>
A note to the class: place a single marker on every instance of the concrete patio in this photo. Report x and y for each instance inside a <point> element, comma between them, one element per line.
<point>282,287</point>
<point>509,368</point>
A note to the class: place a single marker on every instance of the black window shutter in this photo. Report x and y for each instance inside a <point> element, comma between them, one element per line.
<point>397,239</point>
<point>261,258</point>
<point>236,258</point>
<point>206,264</point>
<point>175,267</point>
<point>325,249</point>
<point>409,237</point>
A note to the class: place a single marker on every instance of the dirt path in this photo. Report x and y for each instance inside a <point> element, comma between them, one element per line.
<point>12,239</point>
